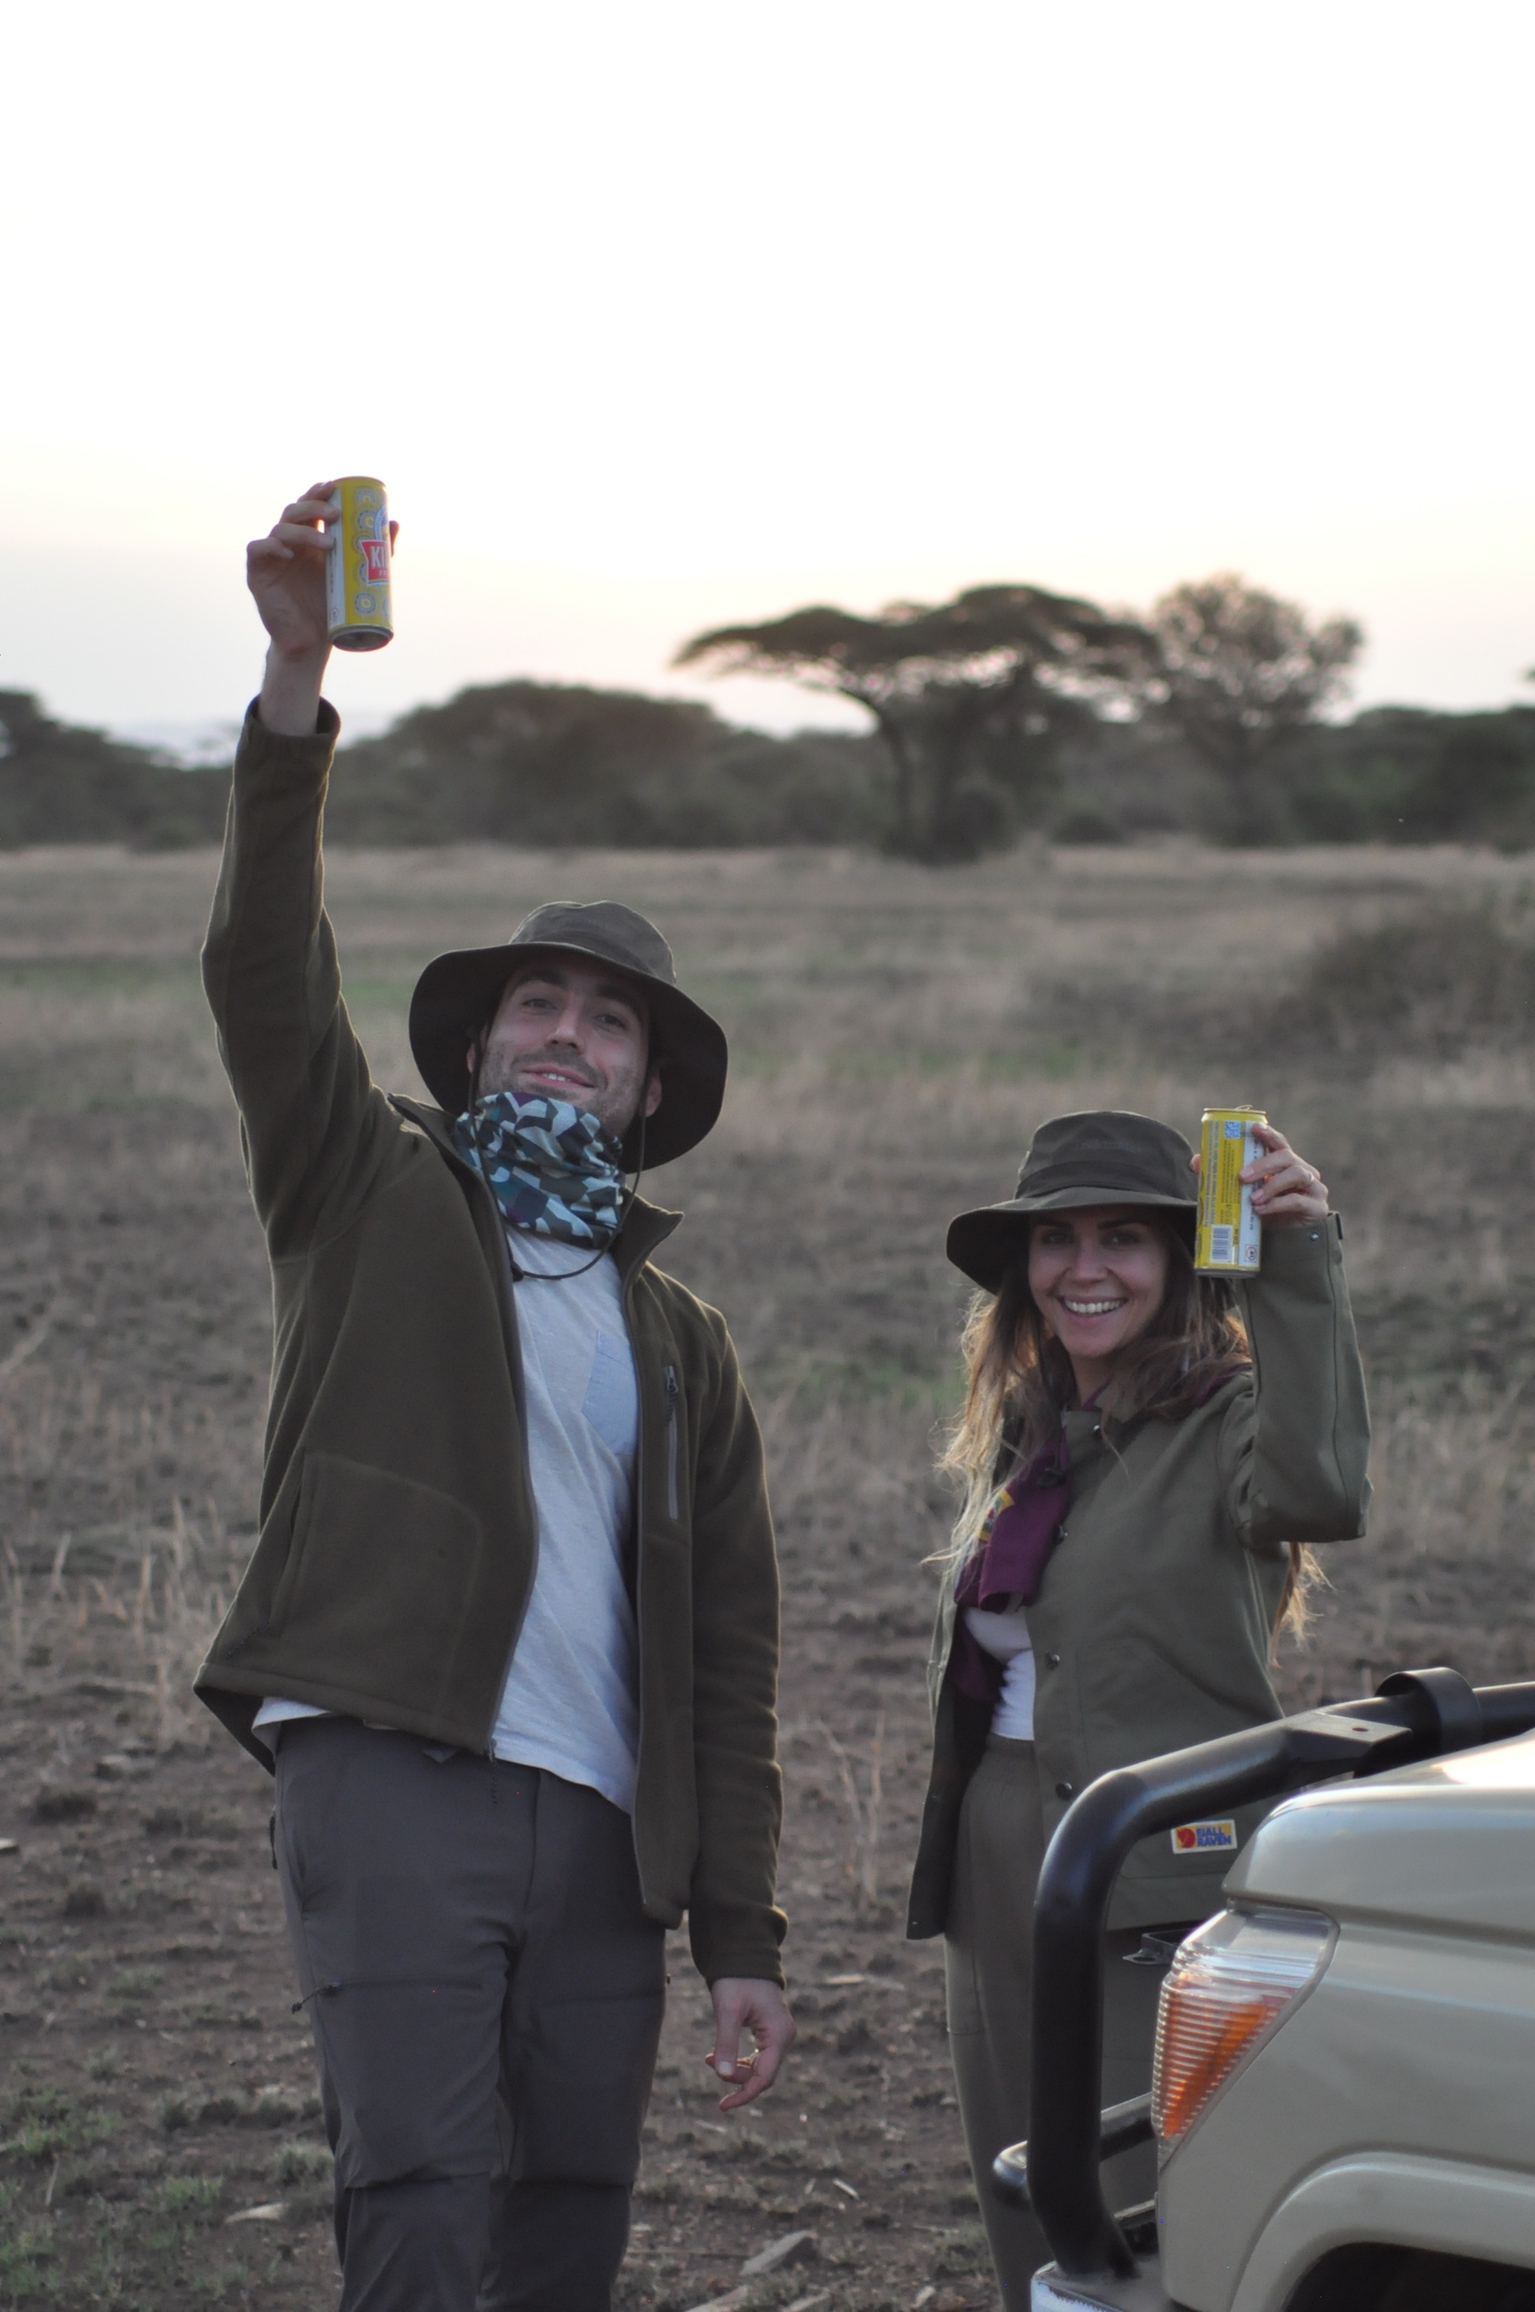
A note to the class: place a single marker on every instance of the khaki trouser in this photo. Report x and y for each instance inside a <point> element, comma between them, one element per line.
<point>486,1996</point>
<point>987,1953</point>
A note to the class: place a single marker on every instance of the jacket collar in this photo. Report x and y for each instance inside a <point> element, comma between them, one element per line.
<point>646,1226</point>
<point>1083,1427</point>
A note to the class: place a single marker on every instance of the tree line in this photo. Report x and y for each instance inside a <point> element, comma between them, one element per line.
<point>1006,711</point>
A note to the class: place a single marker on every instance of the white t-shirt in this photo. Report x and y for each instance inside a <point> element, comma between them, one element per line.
<point>570,1699</point>
<point>1006,1638</point>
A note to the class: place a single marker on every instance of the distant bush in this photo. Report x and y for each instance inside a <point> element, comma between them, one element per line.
<point>1430,983</point>
<point>1406,775</point>
<point>63,784</point>
<point>551,765</point>
<point>1394,774</point>
<point>1087,823</point>
<point>556,765</point>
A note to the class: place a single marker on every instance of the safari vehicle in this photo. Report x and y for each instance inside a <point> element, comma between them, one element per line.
<point>1344,2096</point>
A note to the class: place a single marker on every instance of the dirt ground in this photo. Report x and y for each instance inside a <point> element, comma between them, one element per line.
<point>896,1036</point>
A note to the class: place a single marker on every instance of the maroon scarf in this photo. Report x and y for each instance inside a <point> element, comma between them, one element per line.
<point>1017,1537</point>
<point>1018,1533</point>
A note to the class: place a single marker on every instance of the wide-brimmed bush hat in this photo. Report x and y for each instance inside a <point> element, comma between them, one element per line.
<point>1100,1156</point>
<point>457,993</point>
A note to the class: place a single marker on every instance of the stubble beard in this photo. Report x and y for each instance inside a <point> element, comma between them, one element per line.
<point>614,1105</point>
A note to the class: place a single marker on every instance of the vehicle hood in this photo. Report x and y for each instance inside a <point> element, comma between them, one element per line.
<point>1449,1844</point>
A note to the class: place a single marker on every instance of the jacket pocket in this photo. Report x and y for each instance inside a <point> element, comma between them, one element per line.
<point>384,1577</point>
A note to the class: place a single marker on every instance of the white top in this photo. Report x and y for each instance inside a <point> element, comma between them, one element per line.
<point>1006,1638</point>
<point>570,1700</point>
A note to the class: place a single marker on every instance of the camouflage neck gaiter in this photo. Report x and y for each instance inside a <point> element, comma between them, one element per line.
<point>554,1169</point>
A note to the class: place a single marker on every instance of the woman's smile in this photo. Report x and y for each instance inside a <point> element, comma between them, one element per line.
<point>1098,1276</point>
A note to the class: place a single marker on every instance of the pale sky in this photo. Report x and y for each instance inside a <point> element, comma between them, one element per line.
<point>654,317</point>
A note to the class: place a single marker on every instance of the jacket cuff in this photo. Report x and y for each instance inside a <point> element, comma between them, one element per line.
<point>1300,1252</point>
<point>751,1966</point>
<point>270,754</point>
<point>755,1956</point>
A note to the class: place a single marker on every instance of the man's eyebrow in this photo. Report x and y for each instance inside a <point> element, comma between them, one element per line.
<point>611,990</point>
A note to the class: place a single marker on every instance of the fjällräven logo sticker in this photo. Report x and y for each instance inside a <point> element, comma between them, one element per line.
<point>1205,1837</point>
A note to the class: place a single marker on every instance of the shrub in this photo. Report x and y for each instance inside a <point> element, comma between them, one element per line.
<point>302,2163</point>
<point>1429,982</point>
<point>54,1805</point>
<point>194,2196</point>
<point>1087,823</point>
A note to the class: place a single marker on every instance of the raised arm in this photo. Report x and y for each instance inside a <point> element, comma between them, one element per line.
<point>1298,1449</point>
<point>314,1128</point>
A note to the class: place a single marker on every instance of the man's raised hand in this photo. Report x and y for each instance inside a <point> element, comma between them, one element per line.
<point>285,572</point>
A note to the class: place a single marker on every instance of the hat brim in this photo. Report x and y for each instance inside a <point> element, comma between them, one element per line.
<point>983,1244</point>
<point>453,999</point>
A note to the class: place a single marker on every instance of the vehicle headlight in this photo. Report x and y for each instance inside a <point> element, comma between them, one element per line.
<point>1228,1988</point>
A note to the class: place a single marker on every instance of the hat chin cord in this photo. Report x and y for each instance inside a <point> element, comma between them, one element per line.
<point>521,1275</point>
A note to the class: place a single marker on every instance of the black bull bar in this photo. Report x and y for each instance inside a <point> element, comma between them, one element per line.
<point>1415,1714</point>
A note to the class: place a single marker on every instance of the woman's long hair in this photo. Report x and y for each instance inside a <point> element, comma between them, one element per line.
<point>1019,1381</point>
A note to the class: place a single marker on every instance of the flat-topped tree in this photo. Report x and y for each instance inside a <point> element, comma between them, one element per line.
<point>1237,673</point>
<point>972,697</point>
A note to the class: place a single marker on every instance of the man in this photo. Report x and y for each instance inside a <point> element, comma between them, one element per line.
<point>509,1630</point>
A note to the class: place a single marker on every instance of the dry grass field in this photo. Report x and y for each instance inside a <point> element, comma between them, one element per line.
<point>897,1034</point>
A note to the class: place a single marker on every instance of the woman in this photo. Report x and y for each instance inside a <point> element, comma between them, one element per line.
<point>1148,1455</point>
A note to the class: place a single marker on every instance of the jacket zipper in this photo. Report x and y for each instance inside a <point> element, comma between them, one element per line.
<point>672,1393</point>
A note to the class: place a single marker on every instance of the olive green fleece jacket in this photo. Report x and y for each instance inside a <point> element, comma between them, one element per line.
<point>397,1538</point>
<point>1154,1620</point>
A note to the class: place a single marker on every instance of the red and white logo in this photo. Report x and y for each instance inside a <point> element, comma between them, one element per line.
<point>1205,1837</point>
<point>375,560</point>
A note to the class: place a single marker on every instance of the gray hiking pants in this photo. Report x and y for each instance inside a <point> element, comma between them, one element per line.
<point>486,1996</point>
<point>988,1978</point>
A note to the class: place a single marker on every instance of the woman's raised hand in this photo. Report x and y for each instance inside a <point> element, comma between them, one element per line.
<point>1287,1191</point>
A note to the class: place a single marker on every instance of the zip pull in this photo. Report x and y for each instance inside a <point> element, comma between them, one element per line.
<point>319,1992</point>
<point>673,1393</point>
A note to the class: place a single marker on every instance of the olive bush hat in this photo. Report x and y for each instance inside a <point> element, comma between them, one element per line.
<point>1101,1156</point>
<point>456,994</point>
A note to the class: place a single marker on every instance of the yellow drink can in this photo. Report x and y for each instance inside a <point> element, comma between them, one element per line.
<point>358,595</point>
<point>1228,1236</point>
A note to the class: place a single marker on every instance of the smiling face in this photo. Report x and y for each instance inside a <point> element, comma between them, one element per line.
<point>1098,1277</point>
<point>569,1031</point>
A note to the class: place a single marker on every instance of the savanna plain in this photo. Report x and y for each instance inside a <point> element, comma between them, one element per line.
<point>897,1034</point>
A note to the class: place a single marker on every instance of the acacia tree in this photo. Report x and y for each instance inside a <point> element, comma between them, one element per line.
<point>972,697</point>
<point>1236,673</point>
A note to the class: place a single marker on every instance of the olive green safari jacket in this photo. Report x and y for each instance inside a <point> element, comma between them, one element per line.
<point>396,1546</point>
<point>1153,1623</point>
